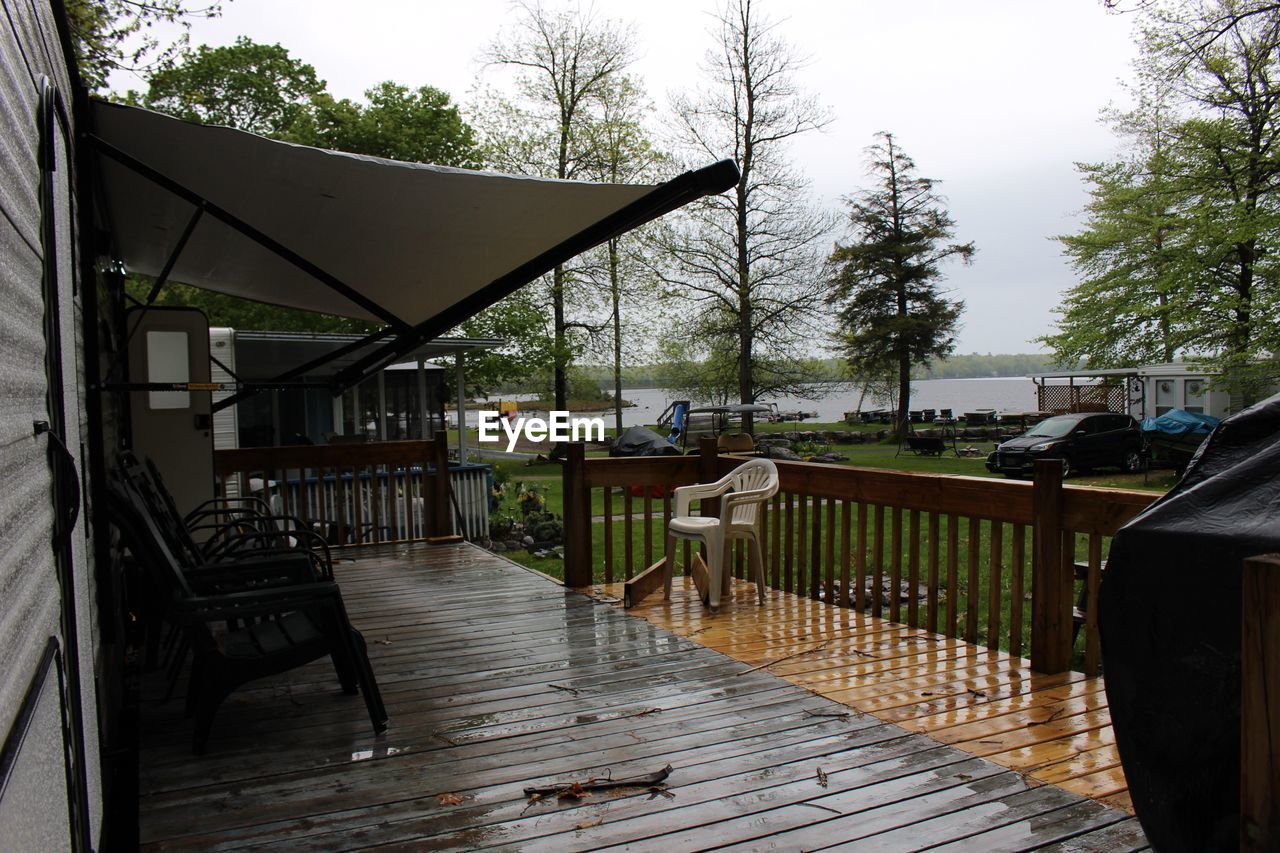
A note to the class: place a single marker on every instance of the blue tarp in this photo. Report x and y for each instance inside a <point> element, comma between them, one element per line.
<point>1180,422</point>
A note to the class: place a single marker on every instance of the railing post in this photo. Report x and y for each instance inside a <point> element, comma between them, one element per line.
<point>1052,577</point>
<point>441,505</point>
<point>1259,716</point>
<point>577,517</point>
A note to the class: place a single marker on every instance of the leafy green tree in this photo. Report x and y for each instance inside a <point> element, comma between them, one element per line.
<point>112,35</point>
<point>249,86</point>
<point>1131,253</point>
<point>745,266</point>
<point>1208,205</point>
<point>703,374</point>
<point>521,323</point>
<point>893,313</point>
<point>412,125</point>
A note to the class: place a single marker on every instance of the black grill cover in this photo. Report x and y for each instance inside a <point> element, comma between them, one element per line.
<point>1169,615</point>
<point>639,441</point>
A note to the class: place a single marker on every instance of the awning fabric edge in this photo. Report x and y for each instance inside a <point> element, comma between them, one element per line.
<point>675,193</point>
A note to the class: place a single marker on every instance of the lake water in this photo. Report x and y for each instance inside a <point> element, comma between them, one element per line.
<point>1006,394</point>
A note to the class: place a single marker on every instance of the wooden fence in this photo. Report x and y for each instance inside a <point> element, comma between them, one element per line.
<point>992,562</point>
<point>391,491</point>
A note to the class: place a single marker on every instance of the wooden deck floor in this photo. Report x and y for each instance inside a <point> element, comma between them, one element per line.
<point>1055,729</point>
<point>496,679</point>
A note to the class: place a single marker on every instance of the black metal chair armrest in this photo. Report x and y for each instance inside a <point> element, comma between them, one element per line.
<point>260,506</point>
<point>258,602</point>
<point>270,569</point>
<point>233,547</point>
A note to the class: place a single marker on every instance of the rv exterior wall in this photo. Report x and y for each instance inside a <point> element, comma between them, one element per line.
<point>34,802</point>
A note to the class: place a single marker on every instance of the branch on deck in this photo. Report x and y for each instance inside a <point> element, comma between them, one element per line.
<point>575,790</point>
<point>816,648</point>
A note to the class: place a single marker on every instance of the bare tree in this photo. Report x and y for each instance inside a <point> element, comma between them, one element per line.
<point>565,62</point>
<point>626,155</point>
<point>748,261</point>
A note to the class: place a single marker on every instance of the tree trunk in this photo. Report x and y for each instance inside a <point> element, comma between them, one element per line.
<point>1242,322</point>
<point>904,395</point>
<point>746,328</point>
<point>560,353</point>
<point>616,291</point>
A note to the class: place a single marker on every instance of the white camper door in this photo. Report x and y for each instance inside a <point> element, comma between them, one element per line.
<point>173,428</point>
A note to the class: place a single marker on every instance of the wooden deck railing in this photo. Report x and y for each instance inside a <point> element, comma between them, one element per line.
<point>1259,709</point>
<point>356,494</point>
<point>971,551</point>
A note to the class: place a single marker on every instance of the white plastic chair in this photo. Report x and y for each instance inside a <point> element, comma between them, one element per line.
<point>742,491</point>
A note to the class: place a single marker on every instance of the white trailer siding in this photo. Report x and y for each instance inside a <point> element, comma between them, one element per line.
<point>33,801</point>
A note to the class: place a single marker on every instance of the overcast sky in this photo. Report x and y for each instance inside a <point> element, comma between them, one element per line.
<point>996,98</point>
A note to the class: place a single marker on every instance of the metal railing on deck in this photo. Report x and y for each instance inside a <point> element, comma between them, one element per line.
<point>992,562</point>
<point>357,494</point>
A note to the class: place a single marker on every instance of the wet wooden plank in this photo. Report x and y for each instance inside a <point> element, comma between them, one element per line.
<point>1037,830</point>
<point>699,800</point>
<point>495,678</point>
<point>1122,837</point>
<point>972,817</point>
<point>858,799</point>
<point>925,681</point>
<point>902,803</point>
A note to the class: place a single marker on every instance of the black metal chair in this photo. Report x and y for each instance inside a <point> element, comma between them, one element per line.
<point>236,529</point>
<point>245,621</point>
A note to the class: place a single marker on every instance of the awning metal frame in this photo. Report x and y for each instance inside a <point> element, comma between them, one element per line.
<point>710,180</point>
<point>228,218</point>
<point>320,361</point>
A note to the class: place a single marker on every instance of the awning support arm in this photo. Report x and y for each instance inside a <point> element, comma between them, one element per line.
<point>319,361</point>
<point>163,278</point>
<point>679,191</point>
<point>267,242</point>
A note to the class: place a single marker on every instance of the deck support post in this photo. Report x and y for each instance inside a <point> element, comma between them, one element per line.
<point>1259,705</point>
<point>1052,576</point>
<point>577,517</point>
<point>441,508</point>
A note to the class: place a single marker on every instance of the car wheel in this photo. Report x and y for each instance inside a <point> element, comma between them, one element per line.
<point>1132,462</point>
<point>1066,467</point>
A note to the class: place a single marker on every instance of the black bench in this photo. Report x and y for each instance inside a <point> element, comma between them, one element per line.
<point>926,445</point>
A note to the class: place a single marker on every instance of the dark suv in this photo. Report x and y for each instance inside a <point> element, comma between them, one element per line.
<point>1081,442</point>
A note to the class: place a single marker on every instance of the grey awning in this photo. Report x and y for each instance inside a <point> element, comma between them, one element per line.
<point>417,247</point>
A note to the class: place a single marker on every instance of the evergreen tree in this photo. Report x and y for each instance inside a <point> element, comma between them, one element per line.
<point>893,313</point>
